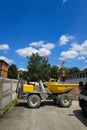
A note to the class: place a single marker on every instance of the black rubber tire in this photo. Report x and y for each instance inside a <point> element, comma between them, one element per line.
<point>34,101</point>
<point>58,100</point>
<point>84,111</point>
<point>54,101</point>
<point>65,100</point>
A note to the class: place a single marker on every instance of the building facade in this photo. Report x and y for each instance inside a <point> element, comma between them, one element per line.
<point>3,69</point>
<point>77,77</point>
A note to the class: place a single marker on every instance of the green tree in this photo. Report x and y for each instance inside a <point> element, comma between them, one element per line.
<point>74,70</point>
<point>85,69</point>
<point>23,74</point>
<point>38,67</point>
<point>12,72</point>
<point>54,73</point>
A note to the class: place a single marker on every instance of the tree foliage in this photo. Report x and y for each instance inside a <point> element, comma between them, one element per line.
<point>85,69</point>
<point>38,67</point>
<point>22,74</point>
<point>74,70</point>
<point>12,72</point>
<point>54,72</point>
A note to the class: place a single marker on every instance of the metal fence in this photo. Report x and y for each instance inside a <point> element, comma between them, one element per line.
<point>77,80</point>
<point>7,92</point>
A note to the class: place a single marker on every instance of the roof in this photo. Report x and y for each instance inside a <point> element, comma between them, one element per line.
<point>4,62</point>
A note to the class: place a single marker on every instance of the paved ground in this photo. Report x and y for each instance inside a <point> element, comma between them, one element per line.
<point>47,117</point>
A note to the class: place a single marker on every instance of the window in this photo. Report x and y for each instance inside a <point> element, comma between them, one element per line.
<point>83,75</point>
<point>86,74</point>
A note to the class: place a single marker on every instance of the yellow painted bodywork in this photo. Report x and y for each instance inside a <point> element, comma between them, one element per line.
<point>56,87</point>
<point>28,88</point>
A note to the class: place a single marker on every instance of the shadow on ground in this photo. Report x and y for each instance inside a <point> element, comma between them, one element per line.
<point>43,103</point>
<point>48,103</point>
<point>22,104</point>
<point>78,114</point>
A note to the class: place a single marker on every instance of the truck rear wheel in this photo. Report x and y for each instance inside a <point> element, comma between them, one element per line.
<point>65,100</point>
<point>34,101</point>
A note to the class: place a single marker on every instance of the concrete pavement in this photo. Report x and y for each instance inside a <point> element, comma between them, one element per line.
<point>47,117</point>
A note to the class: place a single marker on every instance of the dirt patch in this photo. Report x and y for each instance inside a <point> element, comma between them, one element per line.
<point>74,93</point>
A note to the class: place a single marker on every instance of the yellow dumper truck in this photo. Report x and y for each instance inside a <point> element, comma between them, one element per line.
<point>58,92</point>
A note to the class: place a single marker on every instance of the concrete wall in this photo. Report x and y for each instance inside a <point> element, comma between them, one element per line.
<point>7,92</point>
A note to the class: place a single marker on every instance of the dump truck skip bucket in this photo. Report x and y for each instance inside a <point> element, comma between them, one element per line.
<point>56,87</point>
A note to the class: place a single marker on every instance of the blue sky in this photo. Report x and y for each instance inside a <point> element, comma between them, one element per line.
<point>54,28</point>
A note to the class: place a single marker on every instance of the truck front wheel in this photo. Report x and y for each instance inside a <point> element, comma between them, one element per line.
<point>34,101</point>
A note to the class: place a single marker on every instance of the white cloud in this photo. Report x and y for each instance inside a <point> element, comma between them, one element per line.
<point>81,58</point>
<point>83,49</point>
<point>64,39</point>
<point>61,58</point>
<point>29,50</point>
<point>75,46</point>
<point>22,69</point>
<point>37,44</point>
<point>43,49</point>
<point>76,49</point>
<point>24,52</point>
<point>69,54</point>
<point>6,59</point>
<point>44,52</point>
<point>4,47</point>
<point>48,46</point>
<point>43,44</point>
